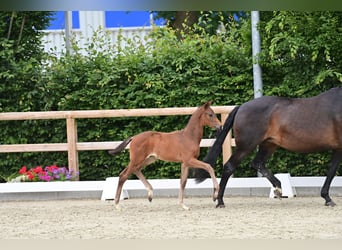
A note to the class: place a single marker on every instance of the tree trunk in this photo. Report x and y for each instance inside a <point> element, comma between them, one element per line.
<point>183,21</point>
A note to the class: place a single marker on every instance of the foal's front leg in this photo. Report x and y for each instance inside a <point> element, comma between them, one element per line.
<point>200,164</point>
<point>183,179</point>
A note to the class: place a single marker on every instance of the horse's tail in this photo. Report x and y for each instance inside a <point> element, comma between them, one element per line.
<point>216,149</point>
<point>121,147</point>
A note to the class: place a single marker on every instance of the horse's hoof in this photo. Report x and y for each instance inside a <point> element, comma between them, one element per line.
<point>220,206</point>
<point>150,199</point>
<point>330,204</point>
<point>118,207</point>
<point>277,193</point>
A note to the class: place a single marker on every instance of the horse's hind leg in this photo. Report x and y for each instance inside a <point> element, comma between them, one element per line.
<point>335,162</point>
<point>147,185</point>
<point>258,163</point>
<point>183,180</point>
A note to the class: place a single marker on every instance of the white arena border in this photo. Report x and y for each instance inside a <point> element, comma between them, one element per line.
<point>161,186</point>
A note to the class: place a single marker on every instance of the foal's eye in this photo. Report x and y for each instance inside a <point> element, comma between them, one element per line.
<point>211,115</point>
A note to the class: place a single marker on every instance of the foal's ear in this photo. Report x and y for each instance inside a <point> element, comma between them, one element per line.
<point>207,104</point>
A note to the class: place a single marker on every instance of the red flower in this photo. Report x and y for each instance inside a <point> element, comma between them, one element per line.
<point>51,168</point>
<point>54,167</point>
<point>23,170</point>
<point>38,170</point>
<point>30,175</point>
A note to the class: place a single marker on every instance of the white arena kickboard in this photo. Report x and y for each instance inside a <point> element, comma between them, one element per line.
<point>109,189</point>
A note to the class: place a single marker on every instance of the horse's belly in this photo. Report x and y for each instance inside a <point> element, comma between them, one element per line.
<point>306,144</point>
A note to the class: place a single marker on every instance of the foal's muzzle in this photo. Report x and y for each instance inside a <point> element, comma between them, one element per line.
<point>218,129</point>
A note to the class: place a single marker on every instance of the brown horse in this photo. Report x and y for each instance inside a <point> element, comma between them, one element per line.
<point>305,125</point>
<point>178,146</point>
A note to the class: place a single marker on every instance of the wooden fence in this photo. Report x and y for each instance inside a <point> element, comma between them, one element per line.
<point>72,146</point>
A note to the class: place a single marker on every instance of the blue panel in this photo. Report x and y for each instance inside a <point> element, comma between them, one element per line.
<point>158,22</point>
<point>75,20</point>
<point>129,19</point>
<point>112,19</point>
<point>58,21</point>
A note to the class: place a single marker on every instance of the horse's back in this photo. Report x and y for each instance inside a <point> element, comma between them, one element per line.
<point>298,124</point>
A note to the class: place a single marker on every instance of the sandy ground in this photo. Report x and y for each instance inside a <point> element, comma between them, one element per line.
<point>243,218</point>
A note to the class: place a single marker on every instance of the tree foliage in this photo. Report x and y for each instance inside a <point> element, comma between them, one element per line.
<point>301,52</point>
<point>211,21</point>
<point>21,55</point>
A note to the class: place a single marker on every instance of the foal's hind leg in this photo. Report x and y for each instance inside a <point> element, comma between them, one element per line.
<point>122,178</point>
<point>149,160</point>
<point>183,180</point>
<point>147,185</point>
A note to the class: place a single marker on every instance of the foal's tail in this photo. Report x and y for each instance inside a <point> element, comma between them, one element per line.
<point>215,150</point>
<point>121,147</point>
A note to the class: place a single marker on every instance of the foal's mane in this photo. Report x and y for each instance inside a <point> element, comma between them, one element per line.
<point>197,114</point>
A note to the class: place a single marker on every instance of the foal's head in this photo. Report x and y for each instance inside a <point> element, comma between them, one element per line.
<point>208,116</point>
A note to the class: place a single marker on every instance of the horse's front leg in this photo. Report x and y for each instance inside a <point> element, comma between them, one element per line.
<point>228,170</point>
<point>183,180</point>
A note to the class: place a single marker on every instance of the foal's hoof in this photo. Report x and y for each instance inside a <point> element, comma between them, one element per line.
<point>186,208</point>
<point>214,197</point>
<point>330,204</point>
<point>150,195</point>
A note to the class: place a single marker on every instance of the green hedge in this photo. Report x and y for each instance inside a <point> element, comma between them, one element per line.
<point>165,72</point>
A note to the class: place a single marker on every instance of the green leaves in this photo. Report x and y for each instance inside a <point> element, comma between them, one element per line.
<point>301,49</point>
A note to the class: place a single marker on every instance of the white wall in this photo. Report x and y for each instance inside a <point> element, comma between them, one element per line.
<point>90,21</point>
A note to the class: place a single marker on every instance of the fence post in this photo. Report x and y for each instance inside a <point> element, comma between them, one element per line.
<point>227,144</point>
<point>72,145</point>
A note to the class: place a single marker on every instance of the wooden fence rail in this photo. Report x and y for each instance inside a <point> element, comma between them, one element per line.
<point>72,146</point>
